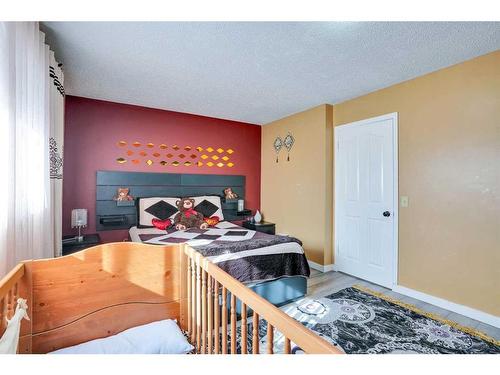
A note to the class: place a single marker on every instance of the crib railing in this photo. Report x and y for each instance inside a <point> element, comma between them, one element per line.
<point>213,295</point>
<point>9,292</point>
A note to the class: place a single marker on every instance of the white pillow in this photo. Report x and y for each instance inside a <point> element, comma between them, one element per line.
<point>210,205</point>
<point>155,208</point>
<point>161,337</point>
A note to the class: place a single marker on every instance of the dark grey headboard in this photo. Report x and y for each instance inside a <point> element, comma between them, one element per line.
<point>110,216</point>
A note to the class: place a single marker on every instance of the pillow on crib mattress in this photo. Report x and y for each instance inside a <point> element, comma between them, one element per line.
<point>161,337</point>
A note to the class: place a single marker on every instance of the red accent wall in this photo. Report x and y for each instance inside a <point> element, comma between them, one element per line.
<point>94,127</point>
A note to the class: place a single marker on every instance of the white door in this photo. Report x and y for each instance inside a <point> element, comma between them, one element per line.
<point>366,199</point>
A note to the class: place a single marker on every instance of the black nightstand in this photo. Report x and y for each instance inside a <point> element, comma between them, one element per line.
<point>89,240</point>
<point>263,226</point>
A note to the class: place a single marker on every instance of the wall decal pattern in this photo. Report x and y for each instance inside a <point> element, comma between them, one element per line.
<point>217,157</point>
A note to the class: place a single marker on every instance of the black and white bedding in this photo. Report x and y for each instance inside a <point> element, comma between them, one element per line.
<point>247,255</point>
<point>166,208</point>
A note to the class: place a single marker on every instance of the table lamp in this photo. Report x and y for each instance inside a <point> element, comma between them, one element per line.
<point>79,220</point>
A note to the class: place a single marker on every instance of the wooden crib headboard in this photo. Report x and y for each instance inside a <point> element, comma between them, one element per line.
<point>101,291</point>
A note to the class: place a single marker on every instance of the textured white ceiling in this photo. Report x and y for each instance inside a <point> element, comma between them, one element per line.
<point>253,71</point>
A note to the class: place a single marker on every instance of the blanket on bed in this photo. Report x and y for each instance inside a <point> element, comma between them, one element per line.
<point>247,255</point>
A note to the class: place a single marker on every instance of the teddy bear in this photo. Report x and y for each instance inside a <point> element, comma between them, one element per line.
<point>123,195</point>
<point>230,194</point>
<point>187,217</point>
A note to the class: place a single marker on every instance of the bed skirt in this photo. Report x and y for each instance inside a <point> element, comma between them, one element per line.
<point>279,292</point>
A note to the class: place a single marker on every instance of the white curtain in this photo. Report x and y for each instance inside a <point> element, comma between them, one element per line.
<point>30,115</point>
<point>56,142</point>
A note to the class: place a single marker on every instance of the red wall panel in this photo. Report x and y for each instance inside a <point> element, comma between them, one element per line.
<point>93,129</point>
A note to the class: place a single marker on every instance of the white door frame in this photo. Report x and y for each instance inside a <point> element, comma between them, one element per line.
<point>390,116</point>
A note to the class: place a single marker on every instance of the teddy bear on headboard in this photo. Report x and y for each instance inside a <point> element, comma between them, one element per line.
<point>230,194</point>
<point>123,195</point>
<point>187,217</point>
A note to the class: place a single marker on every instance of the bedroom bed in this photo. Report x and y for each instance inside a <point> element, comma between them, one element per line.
<point>275,267</point>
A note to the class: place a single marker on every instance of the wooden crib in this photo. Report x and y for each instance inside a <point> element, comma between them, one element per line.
<point>108,288</point>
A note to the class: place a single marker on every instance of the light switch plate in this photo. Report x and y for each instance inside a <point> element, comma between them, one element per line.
<point>404,201</point>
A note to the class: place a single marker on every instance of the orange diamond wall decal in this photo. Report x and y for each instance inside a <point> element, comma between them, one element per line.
<point>218,159</point>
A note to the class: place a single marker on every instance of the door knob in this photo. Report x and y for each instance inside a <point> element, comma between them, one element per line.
<point>386,213</point>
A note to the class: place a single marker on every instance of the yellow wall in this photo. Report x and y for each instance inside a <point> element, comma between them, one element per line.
<point>449,166</point>
<point>295,194</point>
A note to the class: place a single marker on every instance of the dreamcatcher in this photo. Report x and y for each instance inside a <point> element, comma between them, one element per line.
<point>278,144</point>
<point>288,141</point>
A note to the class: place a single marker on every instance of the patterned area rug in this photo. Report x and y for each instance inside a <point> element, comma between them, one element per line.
<point>361,321</point>
<point>365,322</point>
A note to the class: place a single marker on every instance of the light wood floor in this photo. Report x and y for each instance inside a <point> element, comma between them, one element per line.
<point>322,284</point>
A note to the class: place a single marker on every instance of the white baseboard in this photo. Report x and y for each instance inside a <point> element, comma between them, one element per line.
<point>320,267</point>
<point>448,305</point>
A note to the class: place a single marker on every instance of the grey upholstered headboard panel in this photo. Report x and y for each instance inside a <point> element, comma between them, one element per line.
<point>110,216</point>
